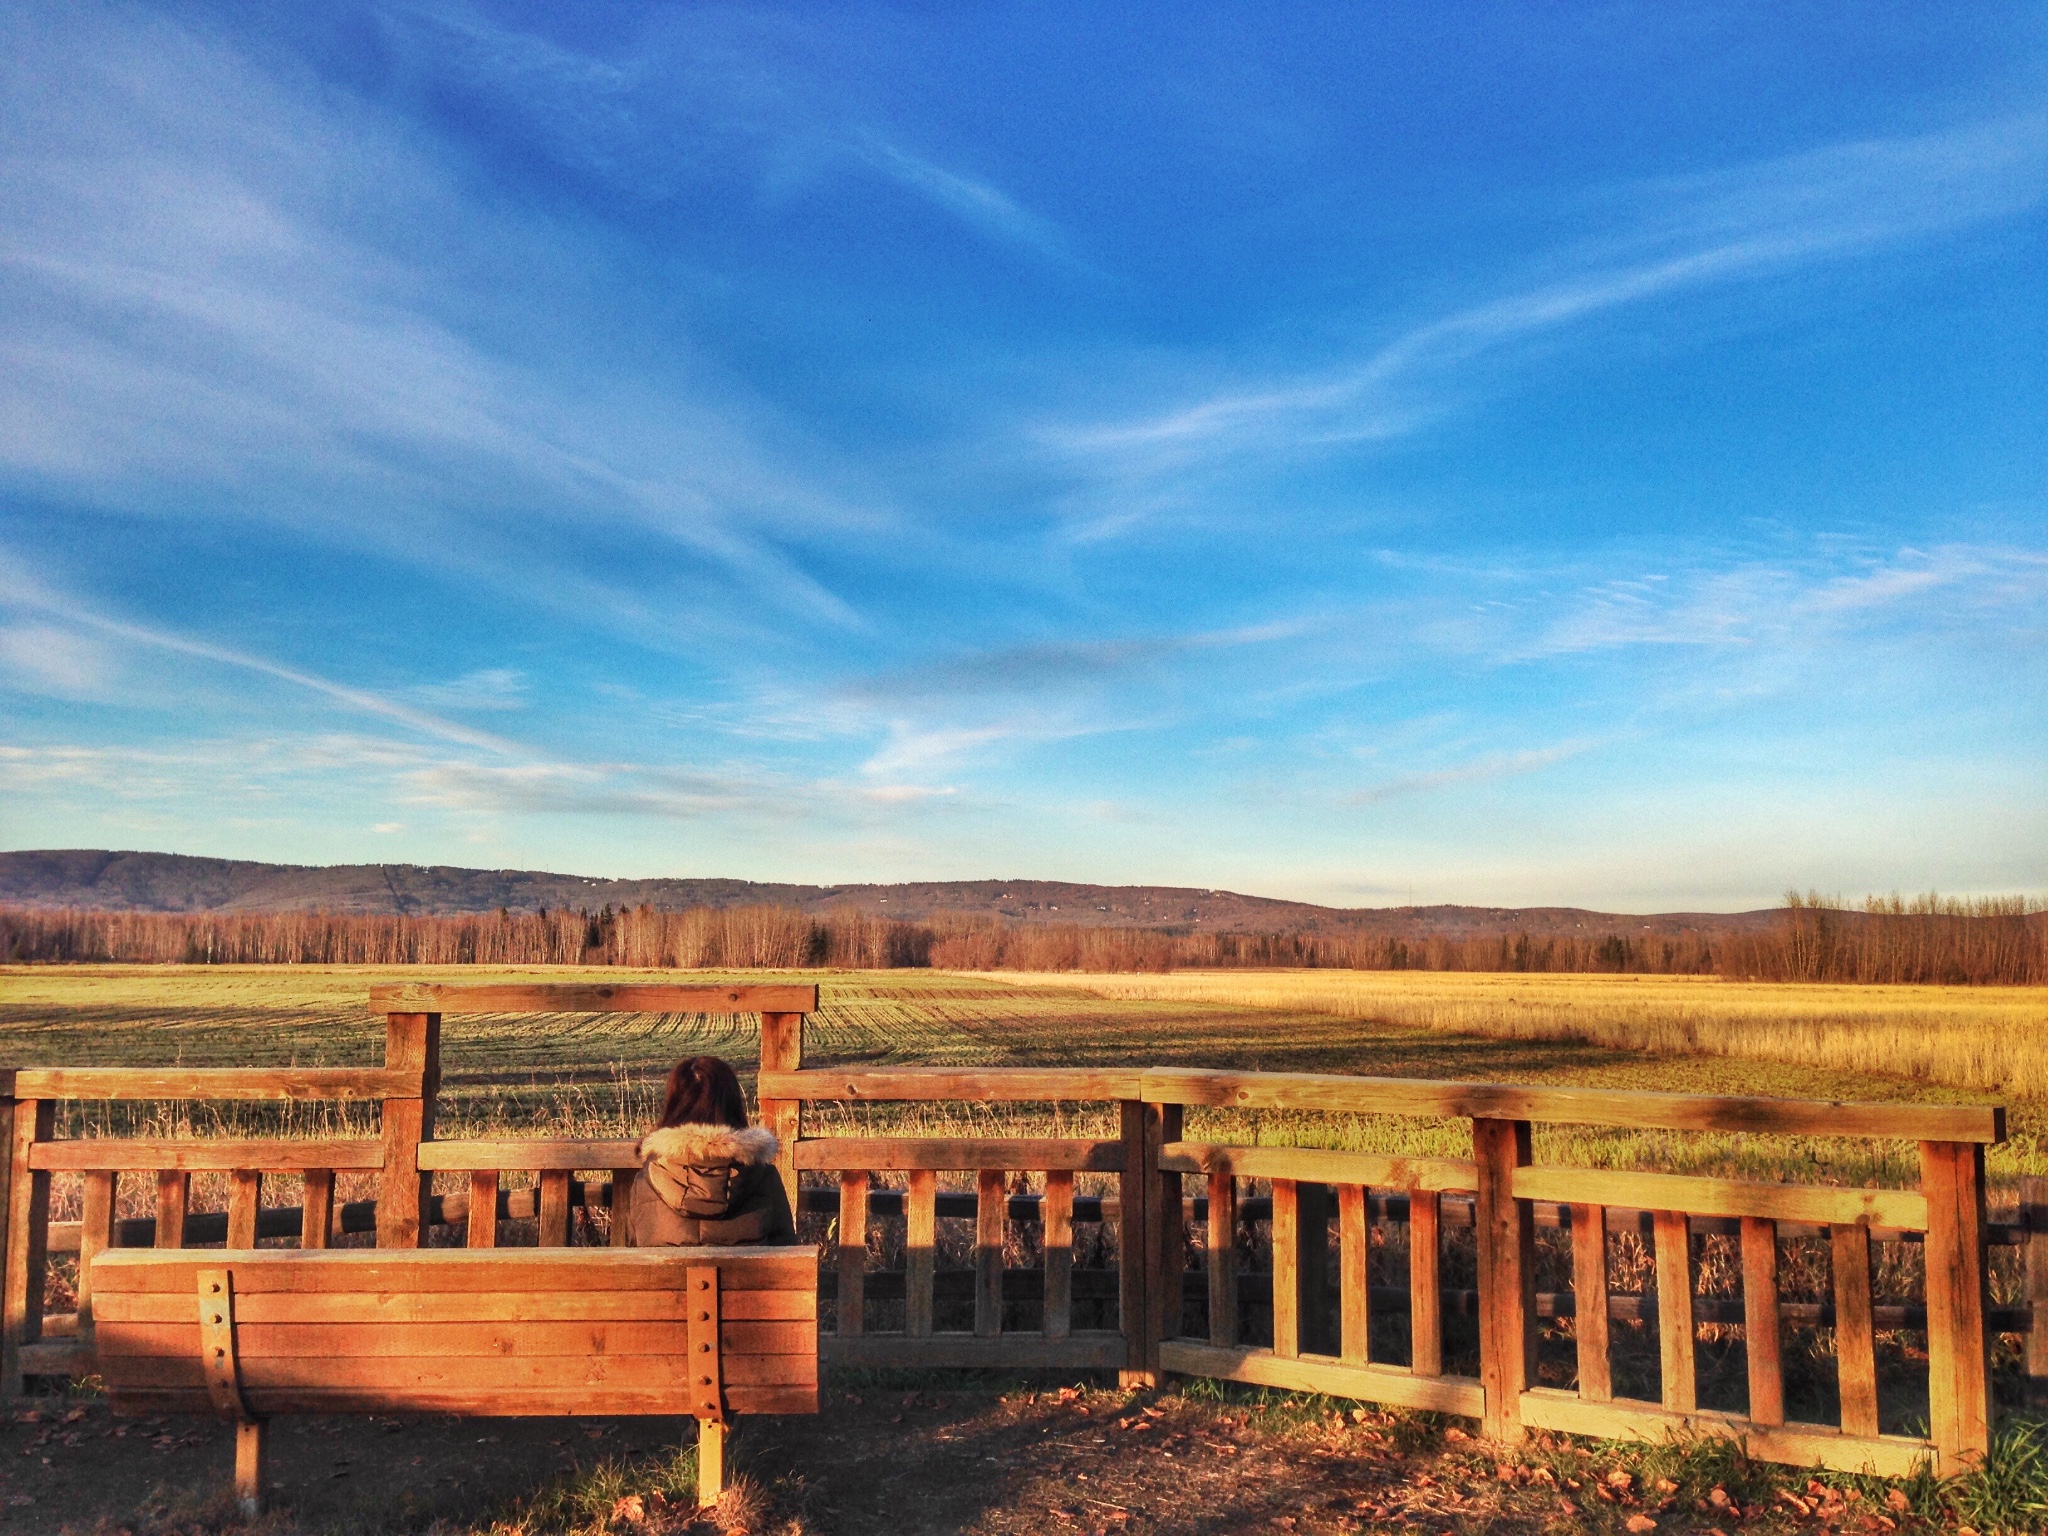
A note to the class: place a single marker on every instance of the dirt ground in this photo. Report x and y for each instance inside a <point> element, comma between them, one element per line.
<point>884,1458</point>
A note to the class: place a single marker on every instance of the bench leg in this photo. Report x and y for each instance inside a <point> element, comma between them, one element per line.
<point>249,1466</point>
<point>710,1461</point>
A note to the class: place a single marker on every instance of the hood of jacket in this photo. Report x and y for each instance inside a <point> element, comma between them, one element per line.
<point>695,1146</point>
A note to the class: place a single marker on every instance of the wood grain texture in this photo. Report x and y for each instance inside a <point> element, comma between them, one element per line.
<point>1312,1165</point>
<point>782,1051</point>
<point>28,1226</point>
<point>853,1254</point>
<point>1762,1342</point>
<point>1799,1445</point>
<point>1222,1257</point>
<point>1675,1335</point>
<point>397,1308</point>
<point>1367,1383</point>
<point>136,1155</point>
<point>923,1084</point>
<point>1589,1295</point>
<point>1134,1191</point>
<point>991,1231</point>
<point>1354,1238</point>
<point>1895,1208</point>
<point>101,1083</point>
<point>173,1195</point>
<point>1286,1264</point>
<point>1506,1230</point>
<point>958,1154</point>
<point>290,1272</point>
<point>571,1400</point>
<point>1959,1403</point>
<point>245,1199</point>
<point>568,1154</point>
<point>577,997</point>
<point>554,1208</point>
<point>1425,1284</point>
<point>920,1246</point>
<point>412,1044</point>
<point>2034,1246</point>
<point>1057,1211</point>
<point>1166,1254</point>
<point>95,1236</point>
<point>316,1208</point>
<point>481,1219</point>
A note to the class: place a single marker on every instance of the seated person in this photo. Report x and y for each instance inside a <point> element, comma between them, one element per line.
<point>706,1176</point>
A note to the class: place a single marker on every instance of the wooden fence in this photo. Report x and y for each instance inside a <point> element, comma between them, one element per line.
<point>1165,1189</point>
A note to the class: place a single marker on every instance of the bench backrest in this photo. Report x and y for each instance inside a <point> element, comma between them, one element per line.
<point>490,1332</point>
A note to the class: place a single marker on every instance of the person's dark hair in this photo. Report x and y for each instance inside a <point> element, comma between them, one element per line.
<point>703,1090</point>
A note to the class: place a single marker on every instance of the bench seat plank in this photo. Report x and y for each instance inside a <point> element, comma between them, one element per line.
<point>460,1307</point>
<point>492,1402</point>
<point>429,1373</point>
<point>440,1270</point>
<point>264,1341</point>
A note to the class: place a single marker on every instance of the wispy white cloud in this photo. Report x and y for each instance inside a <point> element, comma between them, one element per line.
<point>490,688</point>
<point>976,203</point>
<point>1499,765</point>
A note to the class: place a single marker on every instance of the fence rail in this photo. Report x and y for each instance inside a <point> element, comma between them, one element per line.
<point>1143,1230</point>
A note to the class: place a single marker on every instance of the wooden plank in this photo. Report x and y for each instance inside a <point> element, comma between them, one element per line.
<point>392,1309</point>
<point>1425,1284</point>
<point>1578,1106</point>
<point>1057,1211</point>
<point>412,1043</point>
<point>219,1360</point>
<point>431,1373</point>
<point>710,1462</point>
<point>1959,1404</point>
<point>853,1254</point>
<point>1133,1224</point>
<point>1506,1229</point>
<point>251,1466</point>
<point>782,1050</point>
<point>987,1084</point>
<point>583,997</point>
<point>95,1236</point>
<point>2034,1245</point>
<point>1165,1285</point>
<point>961,1154</point>
<point>11,1383</point>
<point>59,1357</point>
<point>1824,1206</point>
<point>1354,1238</point>
<point>459,1269</point>
<point>554,1208</point>
<point>1085,1350</point>
<point>619,1198</point>
<point>572,1401</point>
<point>1674,1312</point>
<point>245,1199</point>
<point>216,1083</point>
<point>1761,1341</point>
<point>569,1153</point>
<point>481,1224</point>
<point>28,1224</point>
<point>706,1363</point>
<point>1589,1294</point>
<point>1855,1337</point>
<point>173,1195</point>
<point>1222,1257</point>
<point>1286,1265</point>
<point>1799,1445</point>
<point>991,1231</point>
<point>920,1245</point>
<point>316,1208</point>
<point>1367,1383</point>
<point>1313,1165</point>
<point>138,1155</point>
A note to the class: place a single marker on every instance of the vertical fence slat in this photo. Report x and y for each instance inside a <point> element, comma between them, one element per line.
<point>782,1050</point>
<point>1166,1284</point>
<point>1354,1239</point>
<point>991,1230</point>
<point>1507,1274</point>
<point>2034,1223</point>
<point>95,1234</point>
<point>412,1041</point>
<point>1589,1302</point>
<point>1760,1321</point>
<point>173,1195</point>
<point>554,1207</point>
<point>1855,1337</point>
<point>316,1208</point>
<point>1057,1214</point>
<point>1134,1255</point>
<point>1222,1258</point>
<point>1286,1262</point>
<point>28,1239</point>
<point>622,1205</point>
<point>245,1199</point>
<point>1674,1311</point>
<point>1425,1283</point>
<point>482,1227</point>
<point>853,1254</point>
<point>1959,1404</point>
<point>9,1108</point>
<point>1317,1326</point>
<point>920,1241</point>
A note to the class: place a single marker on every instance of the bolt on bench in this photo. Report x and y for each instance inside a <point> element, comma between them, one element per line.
<point>250,1333</point>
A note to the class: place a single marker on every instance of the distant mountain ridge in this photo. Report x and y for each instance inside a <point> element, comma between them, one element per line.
<point>106,880</point>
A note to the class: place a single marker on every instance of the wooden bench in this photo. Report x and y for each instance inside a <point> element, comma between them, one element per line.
<point>248,1333</point>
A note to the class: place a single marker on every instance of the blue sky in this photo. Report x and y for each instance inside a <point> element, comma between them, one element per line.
<point>1494,454</point>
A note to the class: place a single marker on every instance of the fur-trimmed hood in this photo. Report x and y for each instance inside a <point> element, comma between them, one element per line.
<point>695,1146</point>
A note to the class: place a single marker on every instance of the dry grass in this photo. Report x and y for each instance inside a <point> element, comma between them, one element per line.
<point>1992,1038</point>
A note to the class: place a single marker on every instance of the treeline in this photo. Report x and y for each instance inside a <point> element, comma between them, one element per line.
<point>1997,942</point>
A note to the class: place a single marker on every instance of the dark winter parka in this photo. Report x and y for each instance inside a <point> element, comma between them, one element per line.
<point>708,1184</point>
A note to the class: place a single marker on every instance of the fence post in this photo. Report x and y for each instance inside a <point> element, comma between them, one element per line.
<point>1164,1284</point>
<point>1958,1367</point>
<point>1135,1243</point>
<point>782,1050</point>
<point>28,1236</point>
<point>1507,1274</point>
<point>412,1043</point>
<point>2034,1223</point>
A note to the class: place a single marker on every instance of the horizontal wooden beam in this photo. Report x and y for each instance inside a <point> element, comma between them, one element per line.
<point>1822,1205</point>
<point>1799,1445</point>
<point>217,1083</point>
<point>1008,1352</point>
<point>528,1156</point>
<point>1576,1106</point>
<point>578,997</point>
<point>493,1402</point>
<point>459,1269</point>
<point>886,1154</point>
<point>58,1357</point>
<point>123,1154</point>
<point>1315,1165</point>
<point>1460,1395</point>
<point>984,1084</point>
